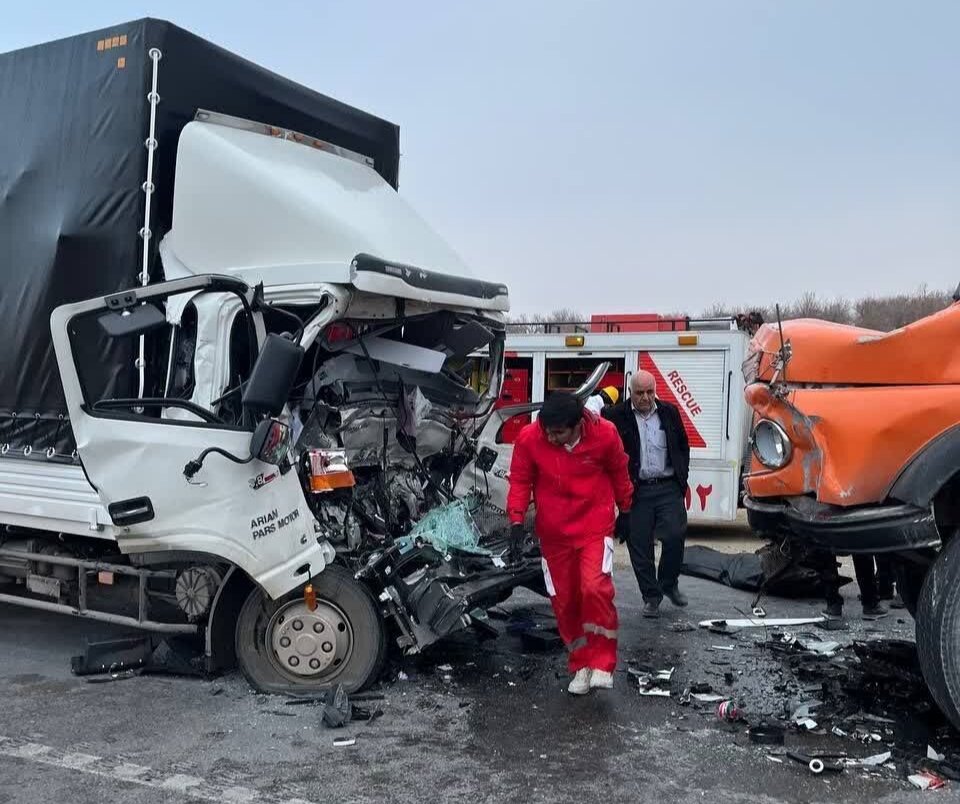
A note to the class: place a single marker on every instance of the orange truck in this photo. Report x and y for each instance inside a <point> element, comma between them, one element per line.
<point>856,449</point>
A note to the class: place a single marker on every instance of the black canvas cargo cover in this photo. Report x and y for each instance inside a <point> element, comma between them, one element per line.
<point>74,118</point>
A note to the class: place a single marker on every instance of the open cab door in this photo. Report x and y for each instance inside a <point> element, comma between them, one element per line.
<point>177,474</point>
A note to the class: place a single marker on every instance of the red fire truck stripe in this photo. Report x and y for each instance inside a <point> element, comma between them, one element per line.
<point>665,392</point>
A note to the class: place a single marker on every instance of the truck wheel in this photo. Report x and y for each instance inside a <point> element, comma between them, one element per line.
<point>282,646</point>
<point>938,630</point>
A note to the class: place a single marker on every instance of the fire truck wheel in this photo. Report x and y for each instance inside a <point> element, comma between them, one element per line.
<point>284,646</point>
<point>938,630</point>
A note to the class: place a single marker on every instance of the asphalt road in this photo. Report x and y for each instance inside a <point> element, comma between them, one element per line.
<point>496,726</point>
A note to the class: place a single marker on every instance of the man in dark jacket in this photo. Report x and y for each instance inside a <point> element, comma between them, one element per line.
<point>659,452</point>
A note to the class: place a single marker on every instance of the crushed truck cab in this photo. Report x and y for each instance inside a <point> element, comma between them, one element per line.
<point>856,449</point>
<point>239,370</point>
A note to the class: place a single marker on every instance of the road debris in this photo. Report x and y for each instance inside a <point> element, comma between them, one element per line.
<point>729,712</point>
<point>935,755</point>
<point>927,780</point>
<point>682,626</point>
<point>653,682</point>
<point>762,623</point>
<point>344,742</point>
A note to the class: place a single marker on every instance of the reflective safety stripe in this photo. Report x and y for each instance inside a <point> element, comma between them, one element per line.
<point>547,580</point>
<point>593,628</point>
<point>579,642</point>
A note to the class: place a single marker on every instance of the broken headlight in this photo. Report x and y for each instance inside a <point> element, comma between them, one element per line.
<point>329,470</point>
<point>771,444</point>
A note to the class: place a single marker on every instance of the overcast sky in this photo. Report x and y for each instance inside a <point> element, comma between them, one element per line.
<point>634,156</point>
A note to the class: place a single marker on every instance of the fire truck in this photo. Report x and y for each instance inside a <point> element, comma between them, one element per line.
<point>696,365</point>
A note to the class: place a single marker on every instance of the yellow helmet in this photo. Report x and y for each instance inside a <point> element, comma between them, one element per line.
<point>612,394</point>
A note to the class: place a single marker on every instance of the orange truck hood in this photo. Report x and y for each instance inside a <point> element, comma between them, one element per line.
<point>922,353</point>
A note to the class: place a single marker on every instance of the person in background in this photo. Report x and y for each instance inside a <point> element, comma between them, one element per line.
<point>863,567</point>
<point>606,396</point>
<point>659,452</point>
<point>571,462</point>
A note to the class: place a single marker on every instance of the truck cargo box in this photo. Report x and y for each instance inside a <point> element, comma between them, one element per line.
<point>73,162</point>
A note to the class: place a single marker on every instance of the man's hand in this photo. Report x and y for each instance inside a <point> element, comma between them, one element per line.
<point>517,538</point>
<point>622,529</point>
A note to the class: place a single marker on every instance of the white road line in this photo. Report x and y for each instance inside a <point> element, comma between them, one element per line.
<point>79,761</point>
<point>240,795</point>
<point>180,783</point>
<point>128,773</point>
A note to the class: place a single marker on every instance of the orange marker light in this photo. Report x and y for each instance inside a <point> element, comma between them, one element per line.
<point>310,597</point>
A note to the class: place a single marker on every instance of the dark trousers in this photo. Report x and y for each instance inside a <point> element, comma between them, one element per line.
<point>658,513</point>
<point>866,579</point>
<point>885,577</point>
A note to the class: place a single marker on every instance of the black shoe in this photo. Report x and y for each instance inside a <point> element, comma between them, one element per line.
<point>874,612</point>
<point>897,602</point>
<point>676,597</point>
<point>834,611</point>
<point>651,608</point>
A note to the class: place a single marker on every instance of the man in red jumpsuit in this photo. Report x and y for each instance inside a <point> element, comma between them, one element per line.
<point>573,464</point>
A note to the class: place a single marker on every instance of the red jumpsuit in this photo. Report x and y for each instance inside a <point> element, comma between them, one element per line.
<point>574,491</point>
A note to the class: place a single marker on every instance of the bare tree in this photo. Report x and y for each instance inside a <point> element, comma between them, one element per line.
<point>880,313</point>
<point>564,319</point>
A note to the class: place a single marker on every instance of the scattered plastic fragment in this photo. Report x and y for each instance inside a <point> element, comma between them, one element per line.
<point>342,742</point>
<point>654,683</point>
<point>721,647</point>
<point>871,762</point>
<point>728,711</point>
<point>934,755</point>
<point>703,697</point>
<point>762,623</point>
<point>927,780</point>
<point>838,732</point>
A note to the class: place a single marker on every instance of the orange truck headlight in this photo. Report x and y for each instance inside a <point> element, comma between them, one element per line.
<point>329,470</point>
<point>771,444</point>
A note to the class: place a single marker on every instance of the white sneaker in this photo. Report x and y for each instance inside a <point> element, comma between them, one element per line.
<point>580,684</point>
<point>601,680</point>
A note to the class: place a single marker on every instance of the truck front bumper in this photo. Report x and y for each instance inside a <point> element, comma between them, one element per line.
<point>865,529</point>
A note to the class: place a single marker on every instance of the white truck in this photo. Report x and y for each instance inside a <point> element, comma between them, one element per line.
<point>235,366</point>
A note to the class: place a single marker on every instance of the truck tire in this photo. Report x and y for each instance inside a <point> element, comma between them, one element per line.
<point>283,647</point>
<point>938,630</point>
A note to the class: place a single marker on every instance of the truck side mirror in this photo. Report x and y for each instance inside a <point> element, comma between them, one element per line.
<point>270,442</point>
<point>273,375</point>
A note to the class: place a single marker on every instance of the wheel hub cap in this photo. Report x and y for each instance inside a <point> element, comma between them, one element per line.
<point>307,643</point>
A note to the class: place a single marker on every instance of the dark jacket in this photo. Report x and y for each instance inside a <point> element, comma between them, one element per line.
<point>678,447</point>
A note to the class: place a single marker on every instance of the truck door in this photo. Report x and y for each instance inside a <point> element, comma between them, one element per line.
<point>134,453</point>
